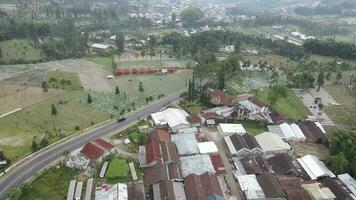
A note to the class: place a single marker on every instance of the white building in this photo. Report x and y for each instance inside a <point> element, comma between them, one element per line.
<point>314,167</point>
<point>272,144</point>
<point>349,182</point>
<point>172,117</point>
<point>250,186</point>
<point>207,147</point>
<point>112,192</point>
<point>287,132</point>
<point>229,129</point>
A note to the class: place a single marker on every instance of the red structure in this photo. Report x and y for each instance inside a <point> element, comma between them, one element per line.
<point>134,71</point>
<point>142,70</point>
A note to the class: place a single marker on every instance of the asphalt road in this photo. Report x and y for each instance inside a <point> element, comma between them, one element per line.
<point>28,168</point>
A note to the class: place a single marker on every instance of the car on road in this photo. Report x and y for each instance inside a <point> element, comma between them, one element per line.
<point>121,119</point>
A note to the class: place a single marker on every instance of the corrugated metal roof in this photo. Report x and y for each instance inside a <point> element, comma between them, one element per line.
<point>314,167</point>
<point>71,190</point>
<point>250,186</point>
<point>170,116</point>
<point>186,144</point>
<point>271,142</point>
<point>207,147</point>
<point>197,164</point>
<point>232,128</point>
<point>349,182</point>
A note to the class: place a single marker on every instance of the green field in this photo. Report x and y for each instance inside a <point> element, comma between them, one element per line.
<point>63,80</point>
<point>105,61</point>
<point>118,170</point>
<point>12,50</point>
<point>52,184</point>
<point>18,130</point>
<point>253,128</point>
<point>153,85</point>
<point>291,106</point>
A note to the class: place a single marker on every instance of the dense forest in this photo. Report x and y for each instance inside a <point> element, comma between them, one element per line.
<point>331,48</point>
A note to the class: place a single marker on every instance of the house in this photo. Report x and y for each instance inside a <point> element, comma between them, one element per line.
<point>159,135</point>
<point>271,186</point>
<point>349,182</point>
<point>172,118</point>
<point>201,187</point>
<point>217,163</point>
<point>100,48</point>
<point>197,164</point>
<point>154,152</point>
<point>314,167</point>
<point>229,129</point>
<point>194,120</point>
<point>207,147</point>
<point>111,192</point>
<point>168,190</point>
<point>250,107</point>
<point>220,98</point>
<point>293,188</point>
<point>136,190</point>
<point>250,187</point>
<point>96,150</point>
<point>186,144</point>
<point>282,165</point>
<point>337,188</point>
<point>272,144</point>
<point>278,118</point>
<point>243,145</point>
<point>287,132</point>
<point>314,132</point>
<point>317,192</point>
<point>217,113</point>
<point>156,174</point>
<point>169,153</point>
<point>252,165</point>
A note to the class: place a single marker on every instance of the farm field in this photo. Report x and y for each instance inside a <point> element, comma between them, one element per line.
<point>153,85</point>
<point>271,59</point>
<point>63,80</point>
<point>291,106</point>
<point>344,115</point>
<point>18,130</point>
<point>52,184</point>
<point>12,50</point>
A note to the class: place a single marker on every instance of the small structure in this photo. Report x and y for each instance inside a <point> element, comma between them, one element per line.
<point>318,192</point>
<point>270,186</point>
<point>220,98</point>
<point>229,129</point>
<point>159,135</point>
<point>314,167</point>
<point>207,147</point>
<point>71,190</point>
<point>314,132</point>
<point>293,188</point>
<point>78,191</point>
<point>252,165</point>
<point>194,120</point>
<point>89,189</point>
<point>282,164</point>
<point>338,189</point>
<point>111,192</point>
<point>172,118</point>
<point>186,144</point>
<point>133,171</point>
<point>100,48</point>
<point>169,190</point>
<point>136,190</point>
<point>349,182</point>
<point>197,164</point>
<point>287,132</point>
<point>103,169</point>
<point>217,163</point>
<point>250,187</point>
<point>191,130</point>
<point>218,113</point>
<point>201,187</point>
<point>273,144</point>
<point>243,145</point>
<point>96,150</point>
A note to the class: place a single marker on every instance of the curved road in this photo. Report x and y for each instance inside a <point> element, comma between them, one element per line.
<point>24,171</point>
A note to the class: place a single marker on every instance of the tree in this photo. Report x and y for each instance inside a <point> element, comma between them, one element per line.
<point>34,145</point>
<point>274,77</point>
<point>190,16</point>
<point>221,80</point>
<point>328,76</point>
<point>338,163</point>
<point>120,42</point>
<point>44,86</point>
<point>277,92</point>
<point>54,110</point>
<point>140,87</point>
<point>117,90</point>
<point>320,80</point>
<point>237,45</point>
<point>89,100</point>
<point>66,153</point>
<point>124,95</point>
<point>338,76</point>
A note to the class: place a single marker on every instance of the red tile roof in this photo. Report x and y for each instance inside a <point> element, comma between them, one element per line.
<point>160,135</point>
<point>95,149</point>
<point>219,97</point>
<point>293,188</point>
<point>270,186</point>
<point>153,152</point>
<point>217,163</point>
<point>193,119</point>
<point>201,187</point>
<point>155,173</point>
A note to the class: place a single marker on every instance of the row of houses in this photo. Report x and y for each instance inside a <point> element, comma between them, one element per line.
<point>179,163</point>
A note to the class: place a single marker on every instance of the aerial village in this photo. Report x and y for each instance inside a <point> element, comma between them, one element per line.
<point>211,156</point>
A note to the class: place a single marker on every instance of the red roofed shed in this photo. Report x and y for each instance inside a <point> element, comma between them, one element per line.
<point>96,149</point>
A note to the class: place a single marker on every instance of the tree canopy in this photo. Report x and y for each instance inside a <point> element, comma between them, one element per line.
<point>190,16</point>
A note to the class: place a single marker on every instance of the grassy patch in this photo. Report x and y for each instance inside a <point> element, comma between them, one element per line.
<point>153,63</point>
<point>291,106</point>
<point>102,60</point>
<point>19,50</point>
<point>253,128</point>
<point>18,129</point>
<point>52,184</point>
<point>118,170</point>
<point>193,107</point>
<point>63,80</point>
